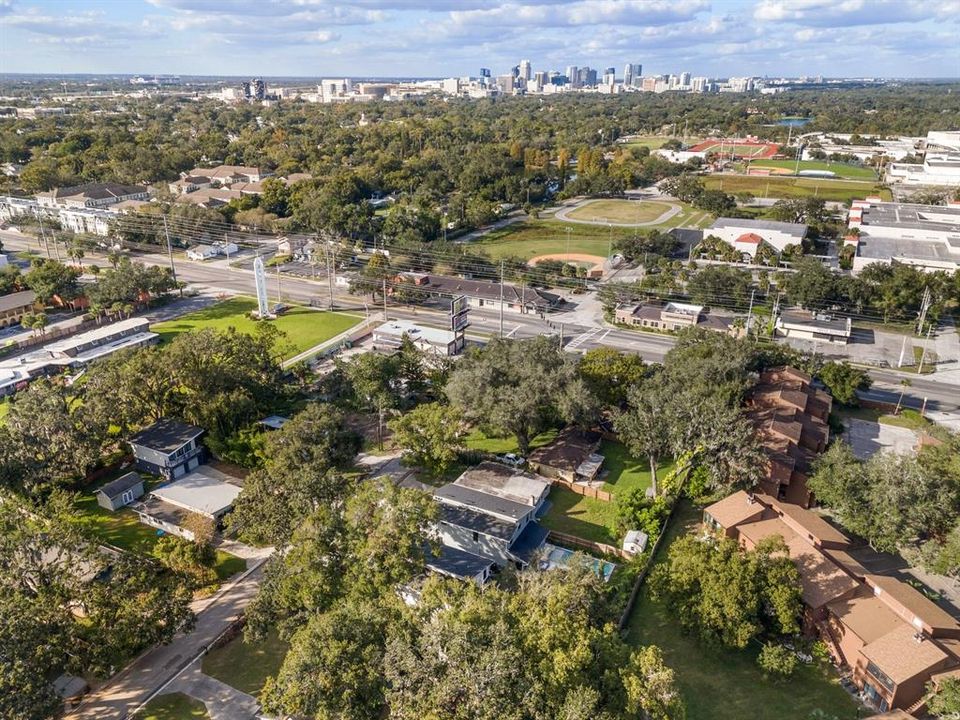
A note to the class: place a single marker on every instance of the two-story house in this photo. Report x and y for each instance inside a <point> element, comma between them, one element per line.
<point>168,448</point>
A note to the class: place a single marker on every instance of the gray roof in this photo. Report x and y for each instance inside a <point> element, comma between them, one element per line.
<point>458,563</point>
<point>166,435</point>
<point>121,484</point>
<point>529,542</point>
<point>796,229</point>
<point>484,502</point>
<point>99,191</point>
<point>476,521</point>
<point>17,300</point>
<point>446,285</point>
<point>810,319</point>
<point>912,217</point>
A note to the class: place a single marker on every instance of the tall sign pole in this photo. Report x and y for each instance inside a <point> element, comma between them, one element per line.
<point>260,277</point>
<point>459,320</point>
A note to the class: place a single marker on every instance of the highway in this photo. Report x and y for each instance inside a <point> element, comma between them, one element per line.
<point>579,337</point>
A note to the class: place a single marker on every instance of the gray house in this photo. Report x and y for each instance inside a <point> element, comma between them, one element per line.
<point>168,448</point>
<point>491,526</point>
<point>120,492</point>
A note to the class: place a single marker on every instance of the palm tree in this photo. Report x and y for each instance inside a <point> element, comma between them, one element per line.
<point>904,384</point>
<point>76,252</point>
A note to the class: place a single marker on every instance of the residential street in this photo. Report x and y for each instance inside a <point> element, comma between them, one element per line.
<point>134,685</point>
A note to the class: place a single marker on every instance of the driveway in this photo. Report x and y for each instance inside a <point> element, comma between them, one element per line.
<point>867,438</point>
<point>154,669</point>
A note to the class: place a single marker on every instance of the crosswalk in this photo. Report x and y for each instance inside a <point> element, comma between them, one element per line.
<point>594,335</point>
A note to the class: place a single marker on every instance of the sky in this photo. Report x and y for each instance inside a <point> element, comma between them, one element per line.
<point>441,38</point>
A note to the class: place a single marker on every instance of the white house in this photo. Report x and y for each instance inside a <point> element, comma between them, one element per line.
<point>202,252</point>
<point>746,235</point>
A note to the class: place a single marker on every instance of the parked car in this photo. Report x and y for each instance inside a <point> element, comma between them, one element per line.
<point>512,459</point>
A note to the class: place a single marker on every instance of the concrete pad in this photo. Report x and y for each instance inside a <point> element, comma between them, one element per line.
<point>868,438</point>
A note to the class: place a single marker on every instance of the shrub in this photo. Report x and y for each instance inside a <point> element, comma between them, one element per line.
<point>777,660</point>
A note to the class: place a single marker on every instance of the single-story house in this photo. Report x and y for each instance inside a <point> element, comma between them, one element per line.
<point>482,293</point>
<point>120,492</point>
<point>572,456</point>
<point>15,305</point>
<point>202,252</point>
<point>434,341</point>
<point>671,316</point>
<point>168,448</point>
<point>810,325</point>
<point>205,492</point>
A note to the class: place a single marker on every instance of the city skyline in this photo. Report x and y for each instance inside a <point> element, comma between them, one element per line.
<point>419,38</point>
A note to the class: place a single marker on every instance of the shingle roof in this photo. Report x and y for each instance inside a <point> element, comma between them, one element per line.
<point>457,563</point>
<point>476,521</point>
<point>483,502</point>
<point>121,484</point>
<point>17,300</point>
<point>99,191</point>
<point>900,656</point>
<point>166,435</point>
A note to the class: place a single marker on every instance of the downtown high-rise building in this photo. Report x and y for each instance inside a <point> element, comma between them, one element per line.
<point>525,70</point>
<point>632,72</point>
<point>684,79</point>
<point>573,75</point>
<point>609,76</point>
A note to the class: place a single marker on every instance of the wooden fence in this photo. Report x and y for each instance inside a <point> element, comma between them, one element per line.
<point>586,490</point>
<point>595,547</point>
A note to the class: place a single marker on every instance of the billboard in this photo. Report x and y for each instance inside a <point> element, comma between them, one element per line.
<point>458,305</point>
<point>459,313</point>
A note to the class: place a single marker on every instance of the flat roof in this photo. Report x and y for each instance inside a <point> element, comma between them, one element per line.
<point>166,435</point>
<point>506,482</point>
<point>398,328</point>
<point>939,218</point>
<point>797,230</point>
<point>199,492</point>
<point>99,335</point>
<point>483,502</point>
<point>817,321</point>
<point>883,248</point>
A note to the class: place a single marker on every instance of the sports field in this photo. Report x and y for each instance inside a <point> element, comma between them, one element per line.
<point>529,239</point>
<point>791,187</point>
<point>624,212</point>
<point>303,327</point>
<point>841,170</point>
<point>736,148</point>
<point>654,142</point>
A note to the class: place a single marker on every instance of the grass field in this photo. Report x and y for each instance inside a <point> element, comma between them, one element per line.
<point>304,328</point>
<point>246,666</point>
<point>626,472</point>
<point>173,706</point>
<point>581,516</point>
<point>547,237</point>
<point>625,212</point>
<point>721,684</point>
<point>477,440</point>
<point>842,170</point>
<point>790,187</point>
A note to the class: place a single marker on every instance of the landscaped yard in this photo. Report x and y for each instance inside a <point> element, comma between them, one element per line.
<point>625,472</point>
<point>620,211</point>
<point>719,684</point>
<point>581,516</point>
<point>173,706</point>
<point>842,170</point>
<point>246,666</point>
<point>789,187</point>
<point>304,328</point>
<point>477,440</point>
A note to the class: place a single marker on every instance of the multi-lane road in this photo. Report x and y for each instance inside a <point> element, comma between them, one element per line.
<point>579,334</point>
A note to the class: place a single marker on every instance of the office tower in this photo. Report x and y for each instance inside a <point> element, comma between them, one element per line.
<point>541,78</point>
<point>609,76</point>
<point>684,79</point>
<point>524,69</point>
<point>505,83</point>
<point>588,77</point>
<point>628,75</point>
<point>245,88</point>
<point>258,89</point>
<point>649,84</point>
<point>484,76</point>
<point>699,84</point>
<point>573,75</point>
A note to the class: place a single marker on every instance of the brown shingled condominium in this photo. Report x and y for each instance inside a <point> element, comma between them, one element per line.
<point>886,634</point>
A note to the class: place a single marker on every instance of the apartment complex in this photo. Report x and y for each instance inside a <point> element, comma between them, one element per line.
<point>889,636</point>
<point>790,416</point>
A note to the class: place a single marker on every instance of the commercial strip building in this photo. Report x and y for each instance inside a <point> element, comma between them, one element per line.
<point>790,416</point>
<point>74,352</point>
<point>672,316</point>
<point>809,325</point>
<point>480,293</point>
<point>746,235</point>
<point>433,341</point>
<point>926,236</point>
<point>888,635</point>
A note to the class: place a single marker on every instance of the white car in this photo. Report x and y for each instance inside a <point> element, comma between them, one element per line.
<point>511,459</point>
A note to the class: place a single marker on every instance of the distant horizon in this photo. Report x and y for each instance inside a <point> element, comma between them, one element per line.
<point>890,39</point>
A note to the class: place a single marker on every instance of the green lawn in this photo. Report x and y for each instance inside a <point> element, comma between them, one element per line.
<point>303,327</point>
<point>620,211</point>
<point>173,706</point>
<point>246,666</point>
<point>581,516</point>
<point>477,440</point>
<point>790,187</point>
<point>4,408</point>
<point>719,684</point>
<point>532,238</point>
<point>119,528</point>
<point>626,472</point>
<point>654,142</point>
<point>842,170</point>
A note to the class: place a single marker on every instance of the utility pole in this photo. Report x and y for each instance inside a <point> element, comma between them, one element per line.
<point>42,233</point>
<point>925,303</point>
<point>384,298</point>
<point>278,285</point>
<point>903,349</point>
<point>750,312</point>
<point>501,299</point>
<point>923,353</point>
<point>331,263</point>
<point>166,234</point>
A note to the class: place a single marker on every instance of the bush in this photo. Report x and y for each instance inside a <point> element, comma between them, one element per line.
<point>193,561</point>
<point>637,512</point>
<point>777,660</point>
